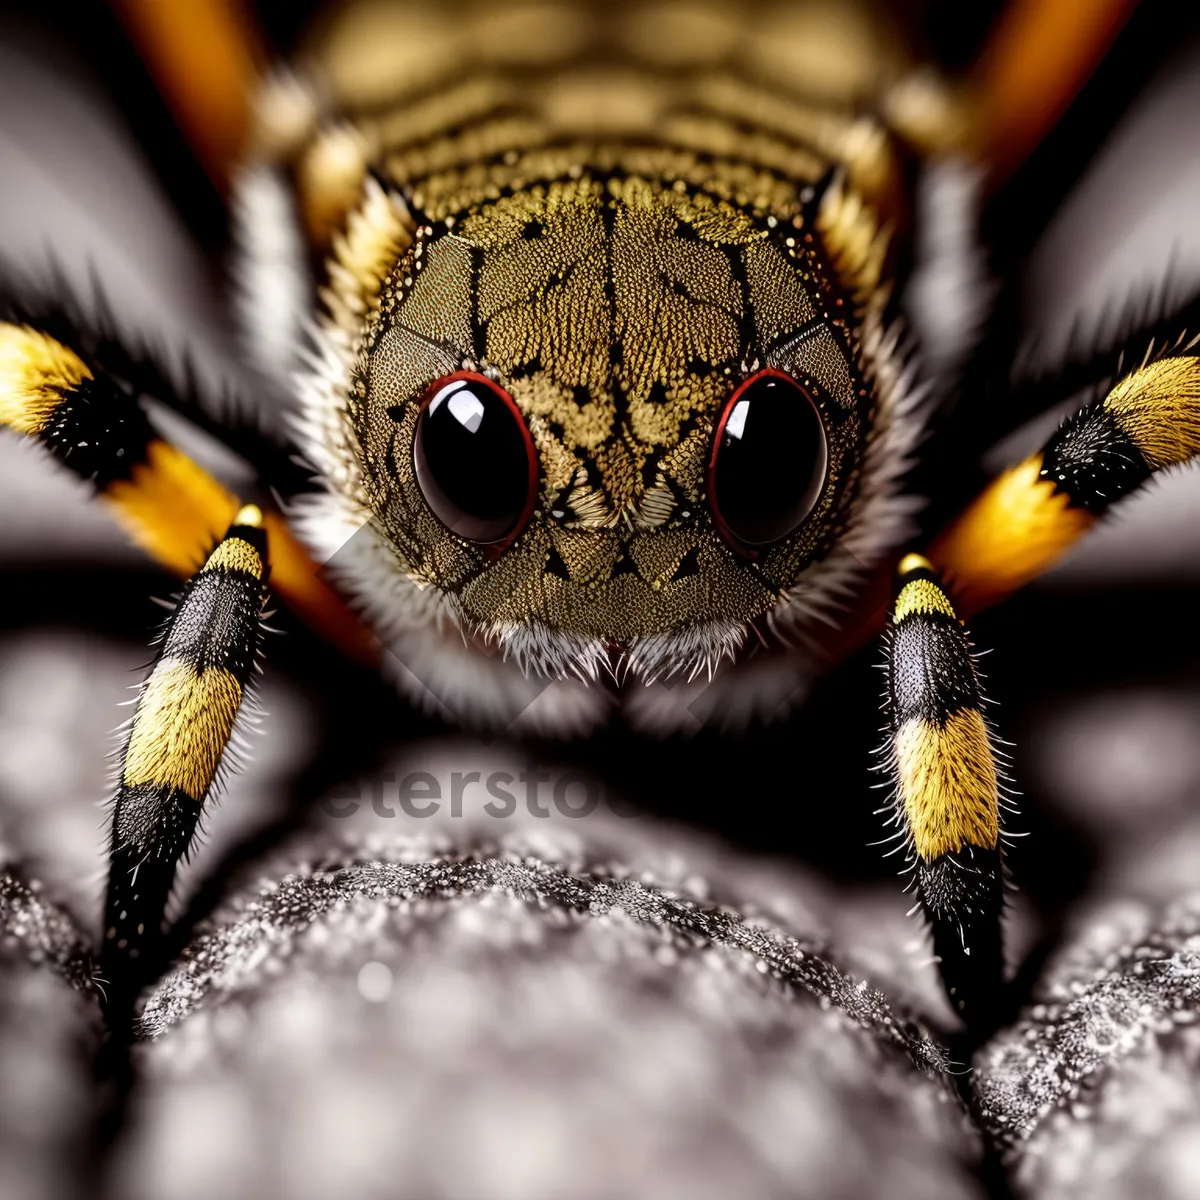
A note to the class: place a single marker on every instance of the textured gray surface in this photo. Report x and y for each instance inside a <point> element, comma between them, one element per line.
<point>385,1018</point>
<point>1095,1090</point>
<point>508,1026</point>
<point>49,1037</point>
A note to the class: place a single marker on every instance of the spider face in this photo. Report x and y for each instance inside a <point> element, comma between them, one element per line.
<point>660,416</point>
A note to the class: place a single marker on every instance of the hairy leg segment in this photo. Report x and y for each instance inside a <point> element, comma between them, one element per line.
<point>942,755</point>
<point>179,735</point>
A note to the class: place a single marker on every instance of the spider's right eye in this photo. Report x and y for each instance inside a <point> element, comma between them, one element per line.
<point>769,460</point>
<point>474,459</point>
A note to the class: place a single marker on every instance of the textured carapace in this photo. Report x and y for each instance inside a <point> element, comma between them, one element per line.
<point>618,222</point>
<point>619,312</point>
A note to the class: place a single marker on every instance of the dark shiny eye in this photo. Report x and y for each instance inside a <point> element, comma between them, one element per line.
<point>474,458</point>
<point>769,460</point>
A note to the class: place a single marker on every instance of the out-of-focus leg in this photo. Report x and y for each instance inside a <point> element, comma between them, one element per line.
<point>1022,523</point>
<point>170,506</point>
<point>204,57</point>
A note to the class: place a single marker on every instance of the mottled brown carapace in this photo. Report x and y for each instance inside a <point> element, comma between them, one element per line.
<point>619,312</point>
<point>618,220</point>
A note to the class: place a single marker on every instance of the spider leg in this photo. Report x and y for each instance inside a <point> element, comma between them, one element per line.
<point>1027,518</point>
<point>205,59</point>
<point>180,730</point>
<point>941,752</point>
<point>1035,61</point>
<point>947,790</point>
<point>169,505</point>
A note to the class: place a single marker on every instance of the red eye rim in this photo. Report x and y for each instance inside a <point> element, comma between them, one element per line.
<point>726,534</point>
<point>496,548</point>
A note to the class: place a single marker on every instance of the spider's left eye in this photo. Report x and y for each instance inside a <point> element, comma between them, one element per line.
<point>769,460</point>
<point>475,461</point>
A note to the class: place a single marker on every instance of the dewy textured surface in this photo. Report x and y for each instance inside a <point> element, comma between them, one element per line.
<point>49,1035</point>
<point>1096,1090</point>
<point>462,1006</point>
<point>510,1026</point>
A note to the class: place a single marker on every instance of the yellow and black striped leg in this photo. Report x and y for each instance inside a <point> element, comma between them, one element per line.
<point>168,504</point>
<point>947,790</point>
<point>181,727</point>
<point>1027,518</point>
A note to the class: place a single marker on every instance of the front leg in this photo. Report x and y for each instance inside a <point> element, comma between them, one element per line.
<point>940,751</point>
<point>177,741</point>
<point>947,789</point>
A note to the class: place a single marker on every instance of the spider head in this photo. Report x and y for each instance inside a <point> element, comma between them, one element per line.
<point>608,420</point>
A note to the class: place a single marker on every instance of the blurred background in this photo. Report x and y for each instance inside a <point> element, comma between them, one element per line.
<point>1095,669</point>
